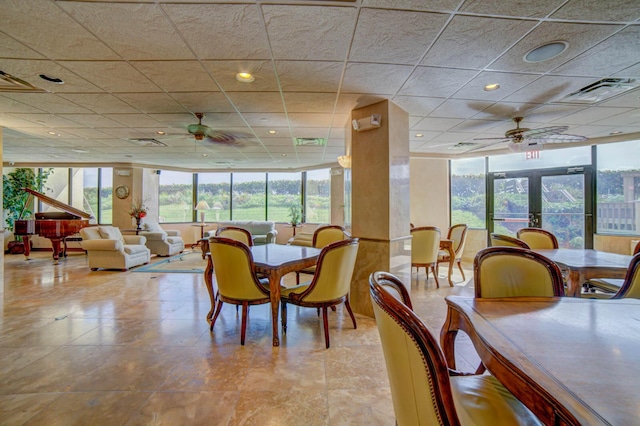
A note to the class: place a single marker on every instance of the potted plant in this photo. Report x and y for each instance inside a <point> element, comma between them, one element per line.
<point>295,214</point>
<point>14,198</point>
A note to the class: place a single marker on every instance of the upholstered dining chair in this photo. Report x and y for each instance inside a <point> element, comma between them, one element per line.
<point>499,240</point>
<point>323,236</point>
<point>609,286</point>
<point>235,233</point>
<point>424,391</point>
<point>236,278</point>
<point>538,238</point>
<point>425,243</point>
<point>330,285</point>
<point>457,234</point>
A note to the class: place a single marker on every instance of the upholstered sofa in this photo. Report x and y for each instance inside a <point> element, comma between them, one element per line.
<point>162,242</point>
<point>263,232</point>
<point>109,249</point>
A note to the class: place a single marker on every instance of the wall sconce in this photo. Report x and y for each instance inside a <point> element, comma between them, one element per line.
<point>367,123</point>
<point>201,207</point>
<point>345,161</point>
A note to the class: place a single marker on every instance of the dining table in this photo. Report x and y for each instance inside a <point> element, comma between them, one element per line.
<point>273,261</point>
<point>584,264</point>
<point>571,361</point>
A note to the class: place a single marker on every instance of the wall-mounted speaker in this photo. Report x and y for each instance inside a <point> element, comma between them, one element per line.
<point>158,171</point>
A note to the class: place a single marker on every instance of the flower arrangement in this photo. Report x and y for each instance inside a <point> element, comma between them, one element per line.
<point>138,210</point>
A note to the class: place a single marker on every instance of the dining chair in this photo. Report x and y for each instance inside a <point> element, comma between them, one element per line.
<point>609,286</point>
<point>322,237</point>
<point>499,240</point>
<point>330,285</point>
<point>425,243</point>
<point>424,391</point>
<point>236,278</point>
<point>538,238</point>
<point>235,233</point>
<point>457,234</point>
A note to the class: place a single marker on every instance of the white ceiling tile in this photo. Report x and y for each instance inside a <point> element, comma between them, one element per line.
<point>597,10</point>
<point>548,89</point>
<point>310,102</point>
<point>112,76</point>
<point>374,78</point>
<point>437,124</point>
<point>474,42</point>
<point>417,105</point>
<point>257,101</point>
<point>436,82</point>
<point>533,9</point>
<point>99,102</point>
<point>475,126</point>
<point>457,108</point>
<point>501,110</point>
<point>92,120</point>
<point>509,83</point>
<point>394,36</point>
<point>30,72</point>
<point>200,102</point>
<point>622,119</point>
<point>309,76</point>
<point>7,104</point>
<point>177,76</point>
<point>433,5</point>
<point>224,73</point>
<point>10,48</point>
<point>591,115</point>
<point>49,120</point>
<point>48,102</point>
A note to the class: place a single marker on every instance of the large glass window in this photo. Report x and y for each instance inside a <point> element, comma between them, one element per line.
<point>85,190</point>
<point>249,196</point>
<point>175,197</point>
<point>468,192</point>
<point>215,189</point>
<point>318,196</point>
<point>618,188</point>
<point>284,191</point>
<point>567,157</point>
<point>106,196</point>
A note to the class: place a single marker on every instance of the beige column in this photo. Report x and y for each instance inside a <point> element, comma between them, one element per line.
<point>380,198</point>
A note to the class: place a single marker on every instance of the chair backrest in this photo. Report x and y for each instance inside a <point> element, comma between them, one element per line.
<point>425,243</point>
<point>537,238</point>
<point>513,272</point>
<point>234,269</point>
<point>328,234</point>
<point>458,234</point>
<point>631,285</point>
<point>499,240</point>
<point>235,233</point>
<point>334,270</point>
<point>417,370</point>
<point>636,249</point>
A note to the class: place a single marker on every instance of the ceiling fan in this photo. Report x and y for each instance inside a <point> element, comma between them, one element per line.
<point>522,138</point>
<point>203,132</point>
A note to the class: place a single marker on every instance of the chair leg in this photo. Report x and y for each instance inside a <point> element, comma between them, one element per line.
<point>460,267</point>
<point>435,276</point>
<point>243,330</point>
<point>283,320</point>
<point>325,322</point>
<point>297,278</point>
<point>353,318</point>
<point>215,316</point>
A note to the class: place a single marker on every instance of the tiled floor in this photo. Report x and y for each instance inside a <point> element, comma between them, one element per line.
<point>124,348</point>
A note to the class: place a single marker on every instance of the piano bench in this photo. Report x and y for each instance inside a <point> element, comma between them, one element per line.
<point>72,238</point>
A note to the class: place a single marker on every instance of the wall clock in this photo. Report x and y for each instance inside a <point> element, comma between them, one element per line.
<point>122,191</point>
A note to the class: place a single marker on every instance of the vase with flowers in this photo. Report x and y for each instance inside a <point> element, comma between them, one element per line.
<point>138,211</point>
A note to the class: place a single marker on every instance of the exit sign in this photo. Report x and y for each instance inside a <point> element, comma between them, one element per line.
<point>532,155</point>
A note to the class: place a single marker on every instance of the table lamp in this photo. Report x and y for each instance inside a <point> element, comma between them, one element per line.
<point>201,207</point>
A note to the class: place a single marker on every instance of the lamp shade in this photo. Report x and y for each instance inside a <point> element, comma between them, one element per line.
<point>345,161</point>
<point>202,205</point>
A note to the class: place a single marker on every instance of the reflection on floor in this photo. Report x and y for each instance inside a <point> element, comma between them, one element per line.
<point>108,347</point>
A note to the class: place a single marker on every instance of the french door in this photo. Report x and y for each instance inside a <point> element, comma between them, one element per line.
<point>558,200</point>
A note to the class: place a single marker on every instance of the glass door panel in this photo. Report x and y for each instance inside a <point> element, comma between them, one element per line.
<point>563,208</point>
<point>510,205</point>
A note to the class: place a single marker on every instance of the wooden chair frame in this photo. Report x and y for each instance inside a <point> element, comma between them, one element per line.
<point>510,241</point>
<point>236,229</point>
<point>634,268</point>
<point>456,250</point>
<point>314,241</point>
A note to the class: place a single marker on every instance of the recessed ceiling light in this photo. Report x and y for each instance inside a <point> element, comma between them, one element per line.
<point>272,132</point>
<point>51,133</point>
<point>160,132</point>
<point>205,155</point>
<point>491,87</point>
<point>617,132</point>
<point>419,135</point>
<point>546,51</point>
<point>50,79</point>
<point>283,155</point>
<point>80,151</point>
<point>245,77</point>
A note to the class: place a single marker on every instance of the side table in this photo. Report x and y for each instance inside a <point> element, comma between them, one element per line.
<point>200,241</point>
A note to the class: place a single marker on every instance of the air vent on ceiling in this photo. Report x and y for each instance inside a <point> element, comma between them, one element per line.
<point>600,90</point>
<point>9,83</point>
<point>311,141</point>
<point>148,142</point>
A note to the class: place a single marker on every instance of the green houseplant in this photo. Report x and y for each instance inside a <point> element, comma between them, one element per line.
<point>295,214</point>
<point>14,198</point>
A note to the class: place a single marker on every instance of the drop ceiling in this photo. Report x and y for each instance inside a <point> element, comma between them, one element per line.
<point>135,68</point>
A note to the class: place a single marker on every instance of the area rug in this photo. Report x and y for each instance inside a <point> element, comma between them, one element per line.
<point>190,262</point>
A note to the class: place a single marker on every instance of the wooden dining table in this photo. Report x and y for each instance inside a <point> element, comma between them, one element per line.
<point>584,264</point>
<point>273,261</point>
<point>570,361</point>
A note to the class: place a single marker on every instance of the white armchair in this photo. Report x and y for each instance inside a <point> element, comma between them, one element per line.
<point>162,242</point>
<point>107,248</point>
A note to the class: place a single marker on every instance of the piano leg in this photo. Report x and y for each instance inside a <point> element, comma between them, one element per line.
<point>55,243</point>
<point>27,246</point>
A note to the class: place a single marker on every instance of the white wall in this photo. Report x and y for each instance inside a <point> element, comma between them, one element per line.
<point>429,187</point>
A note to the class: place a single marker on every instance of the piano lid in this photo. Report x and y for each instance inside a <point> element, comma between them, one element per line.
<point>58,204</point>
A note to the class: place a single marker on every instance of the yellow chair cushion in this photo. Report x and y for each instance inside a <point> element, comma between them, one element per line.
<point>483,400</point>
<point>611,285</point>
<point>513,276</point>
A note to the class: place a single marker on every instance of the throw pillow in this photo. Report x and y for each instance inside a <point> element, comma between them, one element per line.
<point>111,233</point>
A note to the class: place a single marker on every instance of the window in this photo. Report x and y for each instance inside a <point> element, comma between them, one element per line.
<point>318,196</point>
<point>618,188</point>
<point>105,215</point>
<point>468,192</point>
<point>175,197</point>
<point>215,189</point>
<point>249,198</point>
<point>566,157</point>
<point>284,190</point>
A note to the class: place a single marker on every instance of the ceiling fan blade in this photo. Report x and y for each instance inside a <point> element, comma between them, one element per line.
<point>481,146</point>
<point>559,138</point>
<point>228,138</point>
<point>543,131</point>
<point>491,139</point>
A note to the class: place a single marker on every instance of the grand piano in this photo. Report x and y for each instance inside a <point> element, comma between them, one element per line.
<point>56,226</point>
